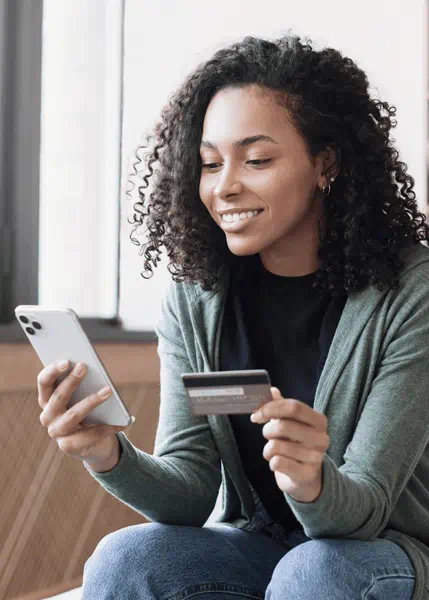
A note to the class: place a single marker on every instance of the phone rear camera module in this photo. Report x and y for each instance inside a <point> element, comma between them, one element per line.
<point>37,325</point>
<point>30,330</point>
<point>23,319</point>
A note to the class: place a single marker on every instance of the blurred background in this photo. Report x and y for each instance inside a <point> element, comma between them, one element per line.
<point>82,81</point>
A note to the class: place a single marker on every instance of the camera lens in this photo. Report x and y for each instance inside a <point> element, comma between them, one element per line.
<point>30,330</point>
<point>23,319</point>
<point>37,325</point>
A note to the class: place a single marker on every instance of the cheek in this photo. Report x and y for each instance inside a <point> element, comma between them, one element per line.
<point>204,193</point>
<point>287,191</point>
<point>277,183</point>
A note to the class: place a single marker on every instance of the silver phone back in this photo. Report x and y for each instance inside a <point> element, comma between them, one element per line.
<point>61,337</point>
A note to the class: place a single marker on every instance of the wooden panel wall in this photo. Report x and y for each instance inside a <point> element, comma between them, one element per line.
<point>53,514</point>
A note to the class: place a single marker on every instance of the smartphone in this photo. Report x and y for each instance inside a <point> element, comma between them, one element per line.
<point>56,334</point>
<point>227,392</point>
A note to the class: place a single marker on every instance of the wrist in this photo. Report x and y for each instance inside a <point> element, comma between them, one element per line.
<point>108,464</point>
<point>309,493</point>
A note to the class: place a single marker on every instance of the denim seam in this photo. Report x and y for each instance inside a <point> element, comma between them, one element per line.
<point>377,578</point>
<point>202,588</point>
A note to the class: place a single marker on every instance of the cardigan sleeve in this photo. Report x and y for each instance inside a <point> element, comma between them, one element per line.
<point>179,483</point>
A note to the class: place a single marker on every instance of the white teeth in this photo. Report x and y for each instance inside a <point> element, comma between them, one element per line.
<point>234,217</point>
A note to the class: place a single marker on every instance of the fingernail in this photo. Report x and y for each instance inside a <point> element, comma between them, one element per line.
<point>62,365</point>
<point>78,370</point>
<point>104,392</point>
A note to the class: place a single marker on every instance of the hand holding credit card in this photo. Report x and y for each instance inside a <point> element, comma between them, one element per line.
<point>227,392</point>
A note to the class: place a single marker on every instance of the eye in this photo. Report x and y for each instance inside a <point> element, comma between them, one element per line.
<point>261,161</point>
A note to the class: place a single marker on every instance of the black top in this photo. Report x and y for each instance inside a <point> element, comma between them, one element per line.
<point>281,324</point>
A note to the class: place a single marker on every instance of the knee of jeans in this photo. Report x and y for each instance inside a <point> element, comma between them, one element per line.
<point>310,560</point>
<point>123,546</point>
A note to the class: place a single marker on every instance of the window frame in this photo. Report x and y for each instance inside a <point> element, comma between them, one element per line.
<point>21,23</point>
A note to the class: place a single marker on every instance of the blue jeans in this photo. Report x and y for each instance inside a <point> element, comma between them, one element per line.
<point>154,561</point>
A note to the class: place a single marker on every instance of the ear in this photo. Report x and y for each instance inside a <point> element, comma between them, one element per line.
<point>331,163</point>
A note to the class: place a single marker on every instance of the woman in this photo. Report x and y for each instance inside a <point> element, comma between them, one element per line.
<point>320,277</point>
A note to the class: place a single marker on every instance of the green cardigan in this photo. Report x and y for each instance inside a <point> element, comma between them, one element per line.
<point>374,389</point>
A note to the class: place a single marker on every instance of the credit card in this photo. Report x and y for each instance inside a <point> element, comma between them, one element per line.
<point>227,392</point>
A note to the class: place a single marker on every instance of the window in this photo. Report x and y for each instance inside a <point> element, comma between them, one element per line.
<point>61,125</point>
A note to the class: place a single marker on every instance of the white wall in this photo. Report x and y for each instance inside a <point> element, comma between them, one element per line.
<point>165,40</point>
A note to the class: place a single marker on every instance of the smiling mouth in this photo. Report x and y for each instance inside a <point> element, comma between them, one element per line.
<point>237,217</point>
<point>238,223</point>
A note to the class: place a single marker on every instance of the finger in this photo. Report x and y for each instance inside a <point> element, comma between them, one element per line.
<point>290,408</point>
<point>57,404</point>
<point>275,395</point>
<point>80,443</point>
<point>46,381</point>
<point>68,423</point>
<point>298,472</point>
<point>292,450</point>
<point>297,432</point>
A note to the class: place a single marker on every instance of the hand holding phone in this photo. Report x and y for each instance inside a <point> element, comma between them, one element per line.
<point>95,444</point>
<point>83,424</point>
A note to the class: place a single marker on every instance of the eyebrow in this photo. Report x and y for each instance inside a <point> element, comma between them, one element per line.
<point>242,142</point>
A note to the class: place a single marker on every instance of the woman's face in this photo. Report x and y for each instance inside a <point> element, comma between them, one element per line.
<point>283,181</point>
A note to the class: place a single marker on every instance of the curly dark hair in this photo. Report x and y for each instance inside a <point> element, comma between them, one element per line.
<point>369,217</point>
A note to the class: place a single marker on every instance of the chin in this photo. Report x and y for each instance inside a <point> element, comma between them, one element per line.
<point>244,247</point>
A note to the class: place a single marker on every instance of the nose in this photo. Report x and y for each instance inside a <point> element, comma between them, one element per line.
<point>227,184</point>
